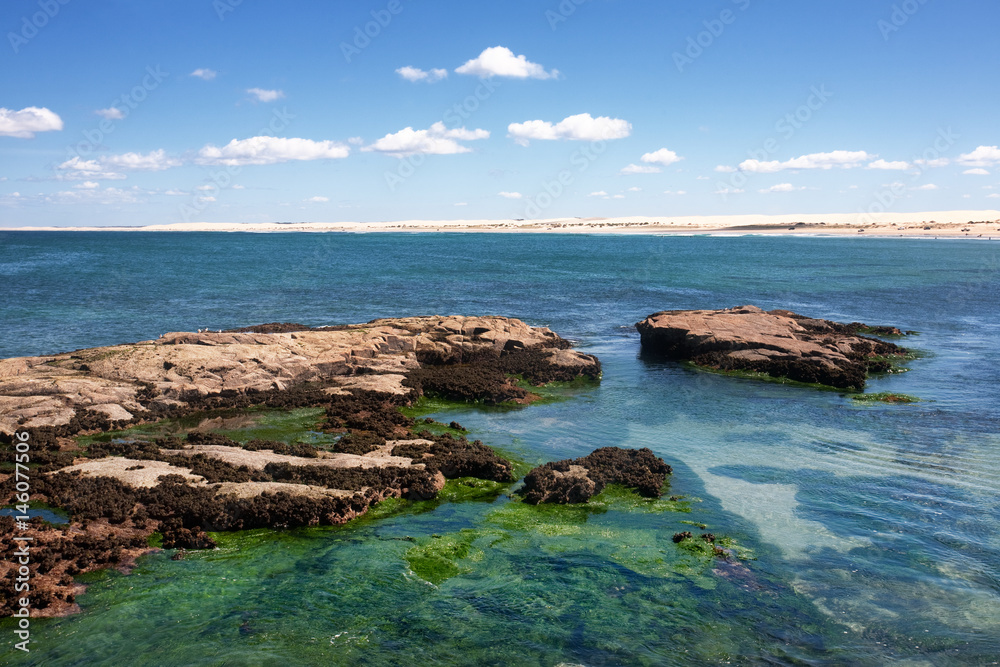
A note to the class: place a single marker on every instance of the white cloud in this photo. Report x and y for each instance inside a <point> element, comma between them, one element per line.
<point>984,156</point>
<point>111,113</point>
<point>24,123</point>
<point>938,162</point>
<point>239,187</point>
<point>729,191</point>
<point>88,185</point>
<point>993,195</point>
<point>501,61</point>
<point>207,187</point>
<point>581,127</point>
<point>318,199</point>
<point>889,166</point>
<point>635,189</point>
<point>976,172</point>
<point>264,95</point>
<point>204,73</point>
<point>722,169</point>
<point>663,156</point>
<point>599,193</point>
<point>461,203</point>
<point>780,187</point>
<point>437,140</point>
<point>355,141</point>
<point>672,192</point>
<point>175,193</point>
<point>271,150</point>
<point>510,195</point>
<point>618,197</point>
<point>927,186</point>
<point>639,169</point>
<point>77,169</point>
<point>157,160</point>
<point>416,74</point>
<point>844,159</point>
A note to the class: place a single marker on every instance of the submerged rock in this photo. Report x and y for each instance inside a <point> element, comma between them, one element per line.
<point>577,480</point>
<point>778,342</point>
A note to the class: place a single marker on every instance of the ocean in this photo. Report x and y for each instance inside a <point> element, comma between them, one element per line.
<point>870,532</point>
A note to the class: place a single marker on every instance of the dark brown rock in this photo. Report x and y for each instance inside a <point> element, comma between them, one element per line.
<point>780,343</point>
<point>577,480</point>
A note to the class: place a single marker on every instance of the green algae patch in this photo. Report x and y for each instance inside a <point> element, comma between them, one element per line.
<point>885,397</point>
<point>435,559</point>
<point>299,425</point>
<point>466,489</point>
<point>553,392</point>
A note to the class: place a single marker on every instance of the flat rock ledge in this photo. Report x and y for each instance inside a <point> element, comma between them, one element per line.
<point>577,480</point>
<point>119,492</point>
<point>777,342</point>
<point>180,372</point>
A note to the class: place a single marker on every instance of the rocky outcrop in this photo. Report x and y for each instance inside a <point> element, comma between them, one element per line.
<point>778,342</point>
<point>120,491</point>
<point>94,388</point>
<point>577,480</point>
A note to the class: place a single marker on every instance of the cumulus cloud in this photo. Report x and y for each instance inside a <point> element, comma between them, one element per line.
<point>976,172</point>
<point>264,95</point>
<point>271,150</point>
<point>729,191</point>
<point>618,197</point>
<point>25,123</point>
<point>993,195</point>
<point>640,169</point>
<point>510,195</point>
<point>437,140</point>
<point>581,127</point>
<point>318,199</point>
<point>175,193</point>
<point>501,61</point>
<point>157,160</point>
<point>88,185</point>
<point>635,189</point>
<point>889,166</point>
<point>843,159</point>
<point>663,156</point>
<point>204,73</point>
<point>416,74</point>
<point>111,113</point>
<point>599,193</point>
<point>780,187</point>
<point>78,169</point>
<point>927,186</point>
<point>673,192</point>
<point>724,169</point>
<point>984,156</point>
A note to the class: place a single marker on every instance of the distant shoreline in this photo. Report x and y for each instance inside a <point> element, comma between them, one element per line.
<point>951,224</point>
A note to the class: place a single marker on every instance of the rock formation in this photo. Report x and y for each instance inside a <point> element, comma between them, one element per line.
<point>778,342</point>
<point>577,480</point>
<point>119,492</point>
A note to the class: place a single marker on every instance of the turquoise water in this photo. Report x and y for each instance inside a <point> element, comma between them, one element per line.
<point>875,528</point>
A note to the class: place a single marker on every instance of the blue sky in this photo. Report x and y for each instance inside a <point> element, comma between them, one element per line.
<point>128,113</point>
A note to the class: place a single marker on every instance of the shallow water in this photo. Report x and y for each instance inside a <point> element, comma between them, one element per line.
<point>875,527</point>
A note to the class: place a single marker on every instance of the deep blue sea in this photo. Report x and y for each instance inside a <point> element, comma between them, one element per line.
<point>872,531</point>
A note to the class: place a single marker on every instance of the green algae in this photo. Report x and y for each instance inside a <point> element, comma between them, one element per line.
<point>435,559</point>
<point>289,426</point>
<point>885,397</point>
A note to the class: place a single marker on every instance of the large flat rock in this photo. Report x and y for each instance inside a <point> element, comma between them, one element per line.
<point>778,342</point>
<point>173,372</point>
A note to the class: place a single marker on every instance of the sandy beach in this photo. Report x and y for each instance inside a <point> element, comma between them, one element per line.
<point>935,224</point>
